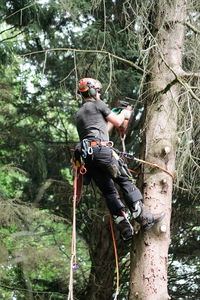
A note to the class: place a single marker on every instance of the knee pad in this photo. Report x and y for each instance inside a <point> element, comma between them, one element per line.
<point>132,197</point>
<point>113,167</point>
<point>113,170</point>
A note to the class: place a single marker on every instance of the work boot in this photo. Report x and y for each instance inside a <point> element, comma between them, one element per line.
<point>147,219</point>
<point>125,228</point>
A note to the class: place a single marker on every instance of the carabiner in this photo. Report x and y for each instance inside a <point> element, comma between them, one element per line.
<point>110,143</point>
<point>90,151</point>
<point>83,170</point>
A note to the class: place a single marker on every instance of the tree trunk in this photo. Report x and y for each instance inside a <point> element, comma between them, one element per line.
<point>102,272</point>
<point>27,282</point>
<point>149,256</point>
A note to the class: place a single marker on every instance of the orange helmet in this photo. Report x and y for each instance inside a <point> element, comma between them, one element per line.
<point>89,84</point>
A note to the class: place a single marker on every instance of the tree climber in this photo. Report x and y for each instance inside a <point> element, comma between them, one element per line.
<point>94,120</point>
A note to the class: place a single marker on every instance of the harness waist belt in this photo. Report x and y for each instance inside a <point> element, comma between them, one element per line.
<point>95,143</point>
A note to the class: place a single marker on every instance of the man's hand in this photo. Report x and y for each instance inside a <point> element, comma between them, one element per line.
<point>120,120</point>
<point>129,107</point>
<point>127,112</point>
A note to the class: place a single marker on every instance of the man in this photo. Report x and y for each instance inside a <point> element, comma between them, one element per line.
<point>94,120</point>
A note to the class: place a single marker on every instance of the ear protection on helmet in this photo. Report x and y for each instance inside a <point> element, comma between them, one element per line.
<point>92,91</point>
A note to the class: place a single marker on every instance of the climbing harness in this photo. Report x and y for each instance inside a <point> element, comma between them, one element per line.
<point>100,143</point>
<point>86,149</point>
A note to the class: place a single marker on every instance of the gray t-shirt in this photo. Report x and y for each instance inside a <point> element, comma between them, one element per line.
<point>91,121</point>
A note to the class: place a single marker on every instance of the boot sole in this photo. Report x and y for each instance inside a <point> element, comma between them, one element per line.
<point>149,226</point>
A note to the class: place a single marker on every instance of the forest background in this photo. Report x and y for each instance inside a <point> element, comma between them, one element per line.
<point>45,47</point>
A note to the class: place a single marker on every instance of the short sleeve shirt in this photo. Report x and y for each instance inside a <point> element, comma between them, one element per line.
<point>91,121</point>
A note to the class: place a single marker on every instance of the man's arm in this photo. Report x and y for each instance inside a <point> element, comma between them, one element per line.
<point>116,120</point>
<point>110,126</point>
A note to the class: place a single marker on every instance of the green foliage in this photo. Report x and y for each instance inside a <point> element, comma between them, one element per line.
<point>12,181</point>
<point>38,102</point>
<point>42,249</point>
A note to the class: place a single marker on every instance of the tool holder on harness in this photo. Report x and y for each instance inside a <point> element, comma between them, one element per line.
<point>86,148</point>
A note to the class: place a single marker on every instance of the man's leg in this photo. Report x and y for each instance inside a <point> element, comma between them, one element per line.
<point>115,206</point>
<point>134,199</point>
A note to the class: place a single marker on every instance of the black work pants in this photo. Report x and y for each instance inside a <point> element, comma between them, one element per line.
<point>98,167</point>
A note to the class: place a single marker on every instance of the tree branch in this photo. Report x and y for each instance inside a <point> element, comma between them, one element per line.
<point>192,27</point>
<point>15,288</point>
<point>188,75</point>
<point>181,80</point>
<point>179,76</point>
<point>44,187</point>
<point>87,51</point>
<point>12,37</point>
<point>188,88</point>
<point>20,10</point>
<point>7,29</point>
<point>168,87</point>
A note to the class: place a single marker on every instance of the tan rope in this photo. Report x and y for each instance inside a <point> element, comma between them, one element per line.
<point>73,243</point>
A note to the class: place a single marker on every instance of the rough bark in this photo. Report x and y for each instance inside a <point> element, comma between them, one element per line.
<point>102,273</point>
<point>149,257</point>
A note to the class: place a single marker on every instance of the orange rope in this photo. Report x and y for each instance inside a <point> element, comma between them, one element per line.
<point>116,257</point>
<point>133,172</point>
<point>73,243</point>
<point>154,165</point>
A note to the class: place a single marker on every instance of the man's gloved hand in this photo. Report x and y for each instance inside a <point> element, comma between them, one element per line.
<point>127,114</point>
<point>126,110</point>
